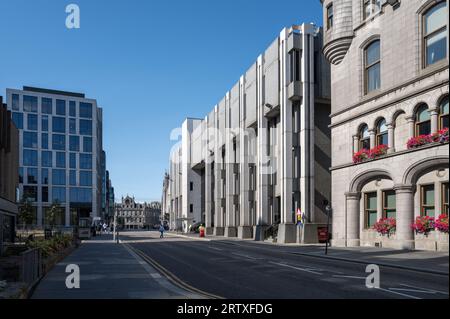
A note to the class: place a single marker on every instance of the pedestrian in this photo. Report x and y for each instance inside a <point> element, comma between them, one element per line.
<point>161,230</point>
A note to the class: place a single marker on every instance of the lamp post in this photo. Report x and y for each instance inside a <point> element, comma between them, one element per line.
<point>329,209</point>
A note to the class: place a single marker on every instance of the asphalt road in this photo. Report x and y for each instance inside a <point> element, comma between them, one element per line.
<point>246,270</point>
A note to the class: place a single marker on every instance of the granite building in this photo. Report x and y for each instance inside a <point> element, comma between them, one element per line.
<point>263,153</point>
<point>138,216</point>
<point>389,118</point>
<point>60,147</point>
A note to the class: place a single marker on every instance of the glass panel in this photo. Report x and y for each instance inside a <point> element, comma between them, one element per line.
<point>73,178</point>
<point>436,47</point>
<point>44,176</point>
<point>444,106</point>
<point>72,108</point>
<point>30,103</point>
<point>47,106</point>
<point>45,194</point>
<point>86,110</point>
<point>21,175</point>
<point>85,127</point>
<point>373,78</point>
<point>391,213</point>
<point>423,114</point>
<point>15,102</point>
<point>30,158</point>
<point>59,177</point>
<point>373,53</point>
<point>87,144</point>
<point>30,140</point>
<point>424,128</point>
<point>18,120</point>
<point>429,211</point>
<point>372,201</point>
<point>73,126</point>
<point>59,142</point>
<point>85,161</point>
<point>59,125</point>
<point>382,128</point>
<point>383,139</point>
<point>365,132</point>
<point>59,194</point>
<point>47,159</point>
<point>60,107</point>
<point>73,160</point>
<point>44,141</point>
<point>428,193</point>
<point>85,178</point>
<point>44,123</point>
<point>61,160</point>
<point>74,143</point>
<point>32,175</point>
<point>436,18</point>
<point>390,199</point>
<point>372,218</point>
<point>32,122</point>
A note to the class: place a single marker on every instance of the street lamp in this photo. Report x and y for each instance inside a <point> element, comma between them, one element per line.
<point>329,209</point>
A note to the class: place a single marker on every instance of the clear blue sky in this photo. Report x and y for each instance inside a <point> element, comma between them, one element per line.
<point>150,64</point>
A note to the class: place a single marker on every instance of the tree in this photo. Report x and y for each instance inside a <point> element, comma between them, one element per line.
<point>26,215</point>
<point>53,213</point>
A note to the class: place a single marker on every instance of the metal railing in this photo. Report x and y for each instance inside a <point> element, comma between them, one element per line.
<point>31,267</point>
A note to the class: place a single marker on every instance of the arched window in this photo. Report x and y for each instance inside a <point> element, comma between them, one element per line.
<point>435,34</point>
<point>443,113</point>
<point>382,133</point>
<point>372,67</point>
<point>423,121</point>
<point>364,138</point>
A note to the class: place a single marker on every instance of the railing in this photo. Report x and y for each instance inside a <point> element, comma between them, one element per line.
<point>31,267</point>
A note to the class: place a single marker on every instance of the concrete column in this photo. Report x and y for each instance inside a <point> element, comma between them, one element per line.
<point>208,177</point>
<point>405,215</point>
<point>355,143</point>
<point>434,114</point>
<point>411,130</point>
<point>287,229</point>
<point>372,134</point>
<point>353,219</point>
<point>391,138</point>
<point>230,218</point>
<point>218,213</point>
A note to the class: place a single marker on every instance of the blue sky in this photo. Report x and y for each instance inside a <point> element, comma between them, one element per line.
<point>149,64</point>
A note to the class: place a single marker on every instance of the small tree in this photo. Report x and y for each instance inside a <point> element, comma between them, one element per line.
<point>26,216</point>
<point>53,213</point>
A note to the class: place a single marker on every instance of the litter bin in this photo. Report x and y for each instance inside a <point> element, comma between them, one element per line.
<point>322,234</point>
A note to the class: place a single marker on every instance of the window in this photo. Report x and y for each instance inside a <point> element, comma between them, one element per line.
<point>18,120</point>
<point>427,200</point>
<point>85,161</point>
<point>32,175</point>
<point>382,133</point>
<point>435,34</point>
<point>15,102</point>
<point>445,198</point>
<point>59,142</point>
<point>85,127</point>
<point>423,120</point>
<point>87,144</point>
<point>30,104</point>
<point>59,177</point>
<point>44,176</point>
<point>364,138</point>
<point>32,122</point>
<point>44,123</point>
<point>46,159</point>
<point>191,186</point>
<point>85,178</point>
<point>60,160</point>
<point>73,178</point>
<point>371,209</point>
<point>295,62</point>
<point>59,194</point>
<point>60,107</point>
<point>86,110</point>
<point>371,7</point>
<point>72,126</point>
<point>372,65</point>
<point>72,160</point>
<point>30,192</point>
<point>20,175</point>
<point>330,16</point>
<point>47,105</point>
<point>191,208</point>
<point>389,204</point>
<point>443,113</point>
<point>74,142</point>
<point>45,194</point>
<point>30,139</point>
<point>80,195</point>
<point>72,108</point>
<point>30,158</point>
<point>44,141</point>
<point>59,125</point>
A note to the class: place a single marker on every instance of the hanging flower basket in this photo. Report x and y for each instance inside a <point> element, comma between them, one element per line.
<point>441,224</point>
<point>423,225</point>
<point>386,226</point>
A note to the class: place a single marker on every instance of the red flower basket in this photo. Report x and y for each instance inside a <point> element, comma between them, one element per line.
<point>438,137</point>
<point>373,153</point>
<point>441,223</point>
<point>423,225</point>
<point>386,226</point>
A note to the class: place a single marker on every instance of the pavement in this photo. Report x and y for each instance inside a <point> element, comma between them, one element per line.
<point>234,269</point>
<point>108,271</point>
<point>423,261</point>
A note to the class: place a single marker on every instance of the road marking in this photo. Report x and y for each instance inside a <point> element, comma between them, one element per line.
<point>297,268</point>
<point>413,290</point>
<point>215,248</point>
<point>246,256</point>
<point>398,293</point>
<point>431,290</point>
<point>351,277</point>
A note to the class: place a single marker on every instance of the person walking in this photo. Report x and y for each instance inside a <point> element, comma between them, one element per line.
<point>161,230</point>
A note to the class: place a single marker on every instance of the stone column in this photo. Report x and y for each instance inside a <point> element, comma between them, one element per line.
<point>434,114</point>
<point>353,220</point>
<point>372,134</point>
<point>355,143</point>
<point>411,131</point>
<point>391,138</point>
<point>405,215</point>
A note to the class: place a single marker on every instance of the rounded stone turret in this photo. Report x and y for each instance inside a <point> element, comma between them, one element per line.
<point>338,36</point>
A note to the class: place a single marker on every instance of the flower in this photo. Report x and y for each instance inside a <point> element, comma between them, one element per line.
<point>441,136</point>
<point>373,153</point>
<point>386,226</point>
<point>423,224</point>
<point>442,223</point>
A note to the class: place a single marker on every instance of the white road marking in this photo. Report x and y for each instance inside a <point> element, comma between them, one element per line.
<point>398,293</point>
<point>297,268</point>
<point>351,277</point>
<point>413,290</point>
<point>246,256</point>
<point>215,248</point>
<point>431,290</point>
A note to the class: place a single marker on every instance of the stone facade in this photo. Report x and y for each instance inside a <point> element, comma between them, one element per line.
<point>263,153</point>
<point>137,216</point>
<point>409,97</point>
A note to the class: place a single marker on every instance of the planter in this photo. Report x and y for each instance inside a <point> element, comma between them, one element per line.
<point>421,140</point>
<point>367,155</point>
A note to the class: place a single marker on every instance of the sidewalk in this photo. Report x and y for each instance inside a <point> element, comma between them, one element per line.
<point>108,271</point>
<point>423,261</point>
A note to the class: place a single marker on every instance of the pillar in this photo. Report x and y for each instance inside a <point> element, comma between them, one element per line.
<point>434,114</point>
<point>411,131</point>
<point>355,143</point>
<point>405,215</point>
<point>353,219</point>
<point>391,138</point>
<point>372,134</point>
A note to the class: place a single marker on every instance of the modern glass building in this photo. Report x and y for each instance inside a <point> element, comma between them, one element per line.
<point>60,152</point>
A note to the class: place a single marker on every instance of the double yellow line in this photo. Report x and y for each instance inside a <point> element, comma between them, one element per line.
<point>170,276</point>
